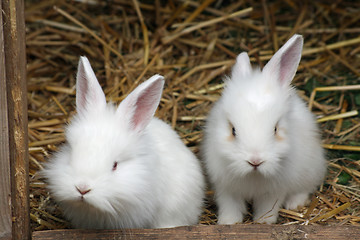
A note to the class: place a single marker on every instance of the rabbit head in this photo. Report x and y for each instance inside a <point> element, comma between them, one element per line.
<point>103,166</point>
<point>255,106</point>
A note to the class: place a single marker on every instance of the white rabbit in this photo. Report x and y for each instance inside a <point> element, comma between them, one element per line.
<point>121,167</point>
<point>261,143</point>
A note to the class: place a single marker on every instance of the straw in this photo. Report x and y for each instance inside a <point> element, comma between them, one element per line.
<point>194,44</point>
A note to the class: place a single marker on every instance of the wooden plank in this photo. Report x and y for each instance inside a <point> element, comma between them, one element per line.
<point>240,231</point>
<point>5,184</point>
<point>16,93</point>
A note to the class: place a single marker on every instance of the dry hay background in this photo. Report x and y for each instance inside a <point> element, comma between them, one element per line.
<point>194,44</point>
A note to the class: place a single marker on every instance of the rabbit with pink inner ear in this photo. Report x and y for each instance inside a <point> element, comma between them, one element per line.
<point>121,167</point>
<point>261,143</point>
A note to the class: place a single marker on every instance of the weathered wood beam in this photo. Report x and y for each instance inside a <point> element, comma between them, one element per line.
<point>15,92</point>
<point>5,184</point>
<point>240,231</point>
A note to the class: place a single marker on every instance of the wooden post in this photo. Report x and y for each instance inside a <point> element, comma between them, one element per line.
<point>5,185</point>
<point>14,166</point>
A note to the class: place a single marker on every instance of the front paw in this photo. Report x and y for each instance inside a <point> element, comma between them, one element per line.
<point>229,219</point>
<point>296,200</point>
<point>267,219</point>
<point>266,208</point>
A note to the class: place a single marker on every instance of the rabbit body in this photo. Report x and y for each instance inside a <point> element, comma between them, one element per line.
<point>121,167</point>
<point>261,143</point>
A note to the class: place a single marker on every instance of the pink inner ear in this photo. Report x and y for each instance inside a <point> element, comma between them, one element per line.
<point>289,63</point>
<point>284,63</point>
<point>89,94</point>
<point>145,107</point>
<point>142,103</point>
<point>82,89</point>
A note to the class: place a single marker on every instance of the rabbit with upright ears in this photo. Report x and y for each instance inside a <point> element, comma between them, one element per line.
<point>121,167</point>
<point>261,143</point>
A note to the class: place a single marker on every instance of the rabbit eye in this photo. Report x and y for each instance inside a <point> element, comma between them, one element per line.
<point>114,166</point>
<point>278,136</point>
<point>233,131</point>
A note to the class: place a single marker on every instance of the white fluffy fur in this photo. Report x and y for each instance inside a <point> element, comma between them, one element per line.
<point>293,164</point>
<point>158,181</point>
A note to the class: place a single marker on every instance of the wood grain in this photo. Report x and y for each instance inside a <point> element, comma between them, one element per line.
<point>5,185</point>
<point>16,95</point>
<point>241,231</point>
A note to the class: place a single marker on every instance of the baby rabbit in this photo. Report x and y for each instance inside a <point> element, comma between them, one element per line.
<point>121,167</point>
<point>261,143</point>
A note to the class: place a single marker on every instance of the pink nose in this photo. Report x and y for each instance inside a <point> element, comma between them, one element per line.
<point>255,162</point>
<point>83,189</point>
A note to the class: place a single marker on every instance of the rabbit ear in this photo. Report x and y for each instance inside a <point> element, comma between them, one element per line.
<point>284,63</point>
<point>89,94</point>
<point>140,105</point>
<point>242,66</point>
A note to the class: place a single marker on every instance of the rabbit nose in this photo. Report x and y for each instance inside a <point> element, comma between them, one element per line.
<point>83,189</point>
<point>255,162</point>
